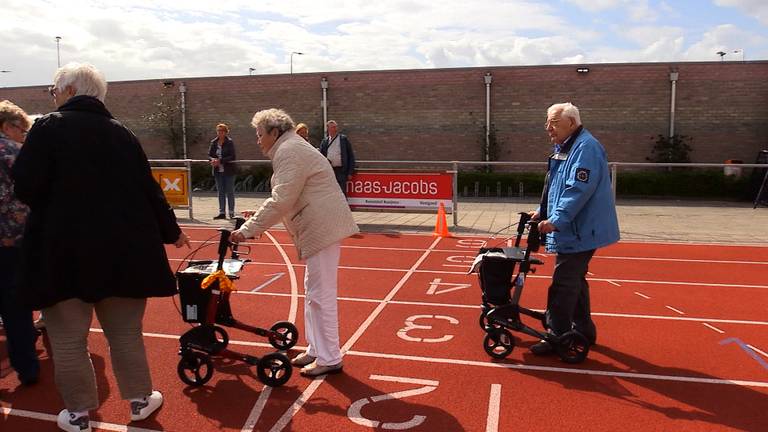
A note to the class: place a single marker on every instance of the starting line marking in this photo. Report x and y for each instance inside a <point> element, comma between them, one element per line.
<point>52,418</point>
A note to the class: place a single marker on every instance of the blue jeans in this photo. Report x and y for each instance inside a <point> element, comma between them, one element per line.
<point>225,185</point>
<point>17,320</point>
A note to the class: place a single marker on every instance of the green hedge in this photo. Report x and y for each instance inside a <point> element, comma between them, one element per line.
<point>682,183</point>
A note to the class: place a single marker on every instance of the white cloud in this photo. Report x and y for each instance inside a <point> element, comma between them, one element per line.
<point>726,38</point>
<point>140,39</point>
<point>755,8</point>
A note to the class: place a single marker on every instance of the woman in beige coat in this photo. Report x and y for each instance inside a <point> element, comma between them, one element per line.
<point>308,201</point>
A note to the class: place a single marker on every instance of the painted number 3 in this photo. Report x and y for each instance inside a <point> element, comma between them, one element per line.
<point>410,324</point>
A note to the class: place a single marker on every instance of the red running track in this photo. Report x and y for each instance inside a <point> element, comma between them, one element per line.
<point>682,346</point>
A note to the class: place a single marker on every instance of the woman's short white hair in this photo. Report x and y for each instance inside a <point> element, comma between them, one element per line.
<point>273,118</point>
<point>84,79</point>
<point>566,109</point>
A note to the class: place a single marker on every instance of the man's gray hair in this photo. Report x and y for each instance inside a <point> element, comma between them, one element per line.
<point>84,79</point>
<point>273,118</point>
<point>566,109</point>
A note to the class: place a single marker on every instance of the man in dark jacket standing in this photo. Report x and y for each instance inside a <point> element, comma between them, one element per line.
<point>89,187</point>
<point>337,148</point>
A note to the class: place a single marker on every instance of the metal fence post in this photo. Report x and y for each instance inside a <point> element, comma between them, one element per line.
<point>455,193</point>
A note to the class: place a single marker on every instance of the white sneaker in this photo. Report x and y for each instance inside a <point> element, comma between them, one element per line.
<point>302,360</point>
<point>145,407</point>
<point>68,422</point>
<point>313,369</point>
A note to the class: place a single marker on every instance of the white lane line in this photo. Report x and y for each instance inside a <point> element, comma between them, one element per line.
<point>683,260</point>
<point>675,310</point>
<point>642,295</point>
<point>713,327</point>
<point>474,306</point>
<point>494,404</point>
<point>258,408</point>
<point>288,415</point>
<point>530,276</point>
<point>632,375</point>
<point>613,283</point>
<point>261,402</point>
<point>758,351</point>
<point>303,398</point>
<point>449,361</point>
<point>52,418</point>
<point>291,275</point>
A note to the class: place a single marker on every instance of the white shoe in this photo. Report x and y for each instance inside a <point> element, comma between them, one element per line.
<point>68,422</point>
<point>144,408</point>
<point>302,360</point>
<point>314,369</point>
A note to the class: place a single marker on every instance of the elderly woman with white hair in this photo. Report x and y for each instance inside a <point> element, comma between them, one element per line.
<point>89,187</point>
<point>308,201</point>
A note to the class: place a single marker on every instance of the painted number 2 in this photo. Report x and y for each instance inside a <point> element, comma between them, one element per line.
<point>355,410</point>
<point>410,324</point>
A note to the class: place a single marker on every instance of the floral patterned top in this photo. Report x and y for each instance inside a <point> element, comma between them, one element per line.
<point>13,214</point>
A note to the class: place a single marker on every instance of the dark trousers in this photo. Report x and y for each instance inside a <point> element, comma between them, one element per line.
<point>17,320</point>
<point>341,178</point>
<point>225,185</point>
<point>568,296</point>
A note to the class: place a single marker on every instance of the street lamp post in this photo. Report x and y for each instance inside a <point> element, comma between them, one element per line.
<point>58,52</point>
<point>250,70</point>
<point>292,53</point>
<point>721,54</point>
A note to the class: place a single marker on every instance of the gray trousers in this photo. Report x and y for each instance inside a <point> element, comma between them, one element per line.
<point>568,296</point>
<point>68,323</point>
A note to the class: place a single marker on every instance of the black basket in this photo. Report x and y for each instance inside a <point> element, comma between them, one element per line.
<point>194,299</point>
<point>496,273</point>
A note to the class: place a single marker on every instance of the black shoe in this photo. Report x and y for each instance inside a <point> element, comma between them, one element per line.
<point>542,348</point>
<point>220,216</point>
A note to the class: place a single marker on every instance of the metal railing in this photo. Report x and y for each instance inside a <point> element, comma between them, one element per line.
<point>454,167</point>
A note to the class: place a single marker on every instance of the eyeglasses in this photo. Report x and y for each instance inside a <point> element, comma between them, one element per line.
<point>551,123</point>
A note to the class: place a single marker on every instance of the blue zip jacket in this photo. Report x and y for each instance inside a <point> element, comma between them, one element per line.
<point>580,199</point>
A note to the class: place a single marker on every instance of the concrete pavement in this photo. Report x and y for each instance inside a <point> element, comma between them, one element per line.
<point>640,220</point>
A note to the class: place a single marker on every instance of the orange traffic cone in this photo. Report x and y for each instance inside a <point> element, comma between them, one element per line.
<point>441,225</point>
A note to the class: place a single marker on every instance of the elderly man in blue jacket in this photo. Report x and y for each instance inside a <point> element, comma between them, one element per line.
<point>578,215</point>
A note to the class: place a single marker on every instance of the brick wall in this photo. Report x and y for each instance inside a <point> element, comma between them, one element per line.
<point>439,114</point>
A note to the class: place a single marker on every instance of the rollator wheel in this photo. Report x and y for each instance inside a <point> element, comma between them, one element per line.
<point>222,339</point>
<point>498,343</point>
<point>289,335</point>
<point>573,347</point>
<point>274,369</point>
<point>195,368</point>
<point>483,320</point>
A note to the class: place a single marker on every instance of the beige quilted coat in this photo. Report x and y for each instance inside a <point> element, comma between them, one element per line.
<point>305,196</point>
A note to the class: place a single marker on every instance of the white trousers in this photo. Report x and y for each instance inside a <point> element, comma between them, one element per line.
<point>321,313</point>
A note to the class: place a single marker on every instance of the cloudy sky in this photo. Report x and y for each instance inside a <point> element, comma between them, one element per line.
<point>137,39</point>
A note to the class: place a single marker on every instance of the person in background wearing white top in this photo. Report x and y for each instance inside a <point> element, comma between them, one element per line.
<point>337,148</point>
<point>317,216</point>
